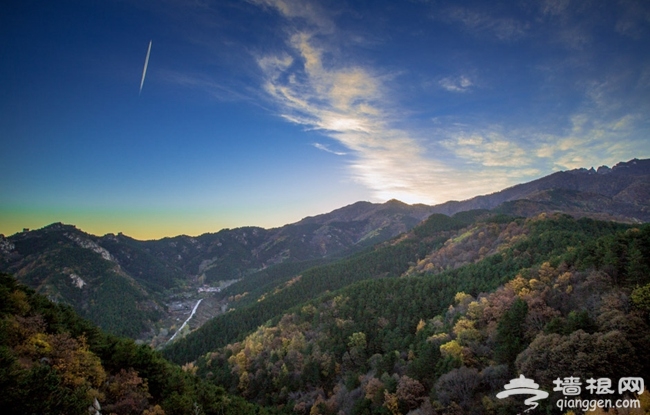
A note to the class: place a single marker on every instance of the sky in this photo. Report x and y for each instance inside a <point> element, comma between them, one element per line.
<point>263,112</point>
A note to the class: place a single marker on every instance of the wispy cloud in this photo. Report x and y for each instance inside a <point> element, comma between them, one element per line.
<point>348,104</point>
<point>308,81</point>
<point>480,22</point>
<point>327,149</point>
<point>205,84</point>
<point>591,141</point>
<point>488,149</point>
<point>524,153</point>
<point>309,11</point>
<point>457,84</point>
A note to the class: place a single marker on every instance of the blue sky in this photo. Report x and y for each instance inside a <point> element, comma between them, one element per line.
<point>262,112</point>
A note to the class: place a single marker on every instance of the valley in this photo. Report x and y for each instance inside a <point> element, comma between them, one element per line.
<point>187,312</point>
<point>378,306</point>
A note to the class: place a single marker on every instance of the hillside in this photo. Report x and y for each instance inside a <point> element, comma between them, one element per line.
<point>53,362</point>
<point>369,309</point>
<point>133,288</point>
<point>70,266</point>
<point>552,296</point>
<point>233,253</point>
<point>146,289</point>
<point>440,243</point>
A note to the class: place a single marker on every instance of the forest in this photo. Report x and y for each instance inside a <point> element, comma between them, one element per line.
<point>434,321</point>
<point>54,362</point>
<point>443,330</point>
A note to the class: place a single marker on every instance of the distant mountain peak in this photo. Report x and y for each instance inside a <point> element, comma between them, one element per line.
<point>59,226</point>
<point>396,202</point>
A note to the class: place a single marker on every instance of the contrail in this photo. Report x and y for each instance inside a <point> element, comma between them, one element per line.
<point>146,62</point>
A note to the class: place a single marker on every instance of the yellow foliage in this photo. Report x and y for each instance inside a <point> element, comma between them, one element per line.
<point>465,331</point>
<point>244,380</point>
<point>154,410</point>
<point>391,403</point>
<point>546,273</point>
<point>357,340</point>
<point>240,360</point>
<point>190,368</point>
<point>38,345</point>
<point>535,284</point>
<point>421,325</point>
<point>19,300</point>
<point>518,284</point>
<point>452,349</point>
<point>81,366</point>
<point>564,278</point>
<point>461,298</point>
<point>461,325</point>
<point>309,310</point>
<point>475,308</point>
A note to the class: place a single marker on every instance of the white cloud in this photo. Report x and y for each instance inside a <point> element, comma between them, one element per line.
<point>328,150</point>
<point>349,103</point>
<point>588,141</point>
<point>309,11</point>
<point>458,84</point>
<point>488,149</point>
<point>591,142</point>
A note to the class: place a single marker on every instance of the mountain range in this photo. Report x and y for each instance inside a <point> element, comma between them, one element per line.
<point>126,286</point>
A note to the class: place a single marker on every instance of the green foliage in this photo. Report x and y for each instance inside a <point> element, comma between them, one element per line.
<point>52,361</point>
<point>383,328</point>
<point>79,275</point>
<point>387,260</point>
<point>261,282</point>
<point>155,274</point>
<point>510,333</point>
<point>641,298</point>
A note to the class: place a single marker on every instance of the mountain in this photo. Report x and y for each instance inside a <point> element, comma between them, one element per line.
<point>54,362</point>
<point>233,253</point>
<point>145,288</point>
<point>69,266</point>
<point>440,244</point>
<point>344,312</point>
<point>542,296</point>
<point>619,193</point>
<point>126,286</point>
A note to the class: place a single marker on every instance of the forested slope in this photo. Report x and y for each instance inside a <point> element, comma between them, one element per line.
<point>390,259</point>
<point>403,255</point>
<point>54,362</point>
<point>446,341</point>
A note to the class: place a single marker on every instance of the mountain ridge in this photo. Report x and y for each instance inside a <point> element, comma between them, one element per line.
<point>633,175</point>
<point>150,271</point>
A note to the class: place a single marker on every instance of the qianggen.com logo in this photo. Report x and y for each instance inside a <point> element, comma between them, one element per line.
<point>571,388</point>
